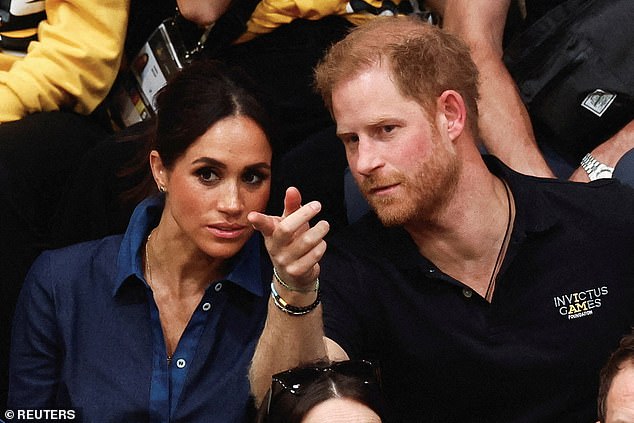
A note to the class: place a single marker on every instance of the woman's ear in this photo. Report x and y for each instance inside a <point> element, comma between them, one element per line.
<point>452,111</point>
<point>158,171</point>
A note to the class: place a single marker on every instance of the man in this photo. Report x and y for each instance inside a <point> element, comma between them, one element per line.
<point>616,389</point>
<point>485,294</point>
<point>505,125</point>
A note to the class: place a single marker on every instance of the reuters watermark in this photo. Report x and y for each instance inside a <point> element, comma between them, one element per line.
<point>39,415</point>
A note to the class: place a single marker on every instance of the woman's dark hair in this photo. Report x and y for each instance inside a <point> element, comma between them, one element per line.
<point>290,405</point>
<point>198,97</point>
<point>202,94</point>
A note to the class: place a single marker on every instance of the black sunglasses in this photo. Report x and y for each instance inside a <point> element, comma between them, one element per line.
<point>295,380</point>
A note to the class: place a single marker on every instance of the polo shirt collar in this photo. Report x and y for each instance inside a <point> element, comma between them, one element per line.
<point>245,269</point>
<point>533,214</point>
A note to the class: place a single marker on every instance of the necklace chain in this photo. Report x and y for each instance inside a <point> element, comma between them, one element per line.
<point>148,267</point>
<point>148,273</point>
<point>498,260</point>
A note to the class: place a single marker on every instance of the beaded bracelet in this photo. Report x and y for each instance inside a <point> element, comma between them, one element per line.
<point>292,288</point>
<point>289,309</point>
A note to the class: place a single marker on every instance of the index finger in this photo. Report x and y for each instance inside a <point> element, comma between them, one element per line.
<point>263,222</point>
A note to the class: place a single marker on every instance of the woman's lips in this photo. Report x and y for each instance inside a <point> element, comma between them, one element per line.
<point>227,231</point>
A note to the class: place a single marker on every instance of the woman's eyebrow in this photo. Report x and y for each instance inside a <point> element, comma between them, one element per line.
<point>261,165</point>
<point>209,161</point>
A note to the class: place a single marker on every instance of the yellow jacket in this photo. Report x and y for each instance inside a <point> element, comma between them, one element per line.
<point>269,14</point>
<point>74,63</point>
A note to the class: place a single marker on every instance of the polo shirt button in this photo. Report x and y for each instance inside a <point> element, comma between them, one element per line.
<point>206,306</point>
<point>467,292</point>
<point>180,363</point>
<point>218,286</point>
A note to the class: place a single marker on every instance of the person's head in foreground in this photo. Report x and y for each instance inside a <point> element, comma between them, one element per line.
<point>616,389</point>
<point>346,391</point>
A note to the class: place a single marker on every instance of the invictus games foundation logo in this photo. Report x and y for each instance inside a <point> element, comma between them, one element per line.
<point>580,304</point>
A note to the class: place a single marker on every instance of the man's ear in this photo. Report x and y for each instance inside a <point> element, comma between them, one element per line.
<point>452,112</point>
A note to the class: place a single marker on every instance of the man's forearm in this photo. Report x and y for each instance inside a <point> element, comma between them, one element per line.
<point>504,122</point>
<point>611,151</point>
<point>505,126</point>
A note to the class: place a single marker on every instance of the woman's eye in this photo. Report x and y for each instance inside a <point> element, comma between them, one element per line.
<point>207,175</point>
<point>253,178</point>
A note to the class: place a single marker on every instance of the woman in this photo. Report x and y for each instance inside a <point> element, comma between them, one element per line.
<point>160,324</point>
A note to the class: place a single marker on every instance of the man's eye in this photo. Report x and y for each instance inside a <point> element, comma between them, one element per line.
<point>350,139</point>
<point>388,128</point>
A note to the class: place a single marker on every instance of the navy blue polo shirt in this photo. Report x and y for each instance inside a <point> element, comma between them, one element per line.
<point>87,335</point>
<point>563,299</point>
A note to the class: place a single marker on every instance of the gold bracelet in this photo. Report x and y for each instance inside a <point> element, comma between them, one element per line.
<point>289,309</point>
<point>293,288</point>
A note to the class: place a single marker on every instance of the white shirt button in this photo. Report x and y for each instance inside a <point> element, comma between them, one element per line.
<point>206,306</point>
<point>467,292</point>
<point>180,363</point>
<point>218,286</point>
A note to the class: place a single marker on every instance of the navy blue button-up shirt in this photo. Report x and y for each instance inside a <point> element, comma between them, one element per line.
<point>87,335</point>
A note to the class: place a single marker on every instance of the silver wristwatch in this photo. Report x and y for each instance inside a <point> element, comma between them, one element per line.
<point>595,169</point>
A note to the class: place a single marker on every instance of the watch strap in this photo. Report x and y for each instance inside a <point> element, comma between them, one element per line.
<point>595,169</point>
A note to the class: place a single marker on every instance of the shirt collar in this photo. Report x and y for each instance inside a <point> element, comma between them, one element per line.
<point>533,214</point>
<point>130,262</point>
<point>245,268</point>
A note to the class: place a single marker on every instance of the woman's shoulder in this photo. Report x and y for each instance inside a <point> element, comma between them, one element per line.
<point>85,250</point>
<point>82,261</point>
